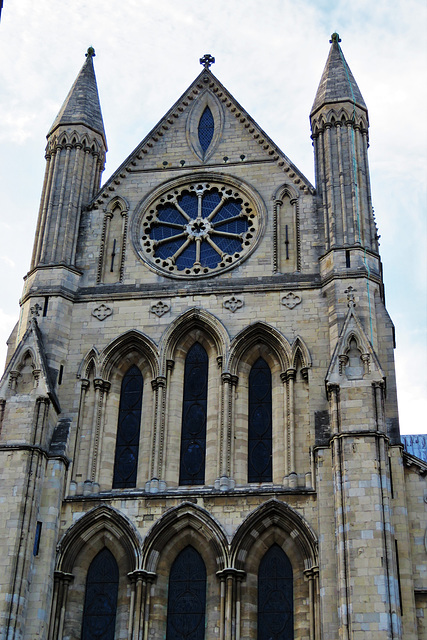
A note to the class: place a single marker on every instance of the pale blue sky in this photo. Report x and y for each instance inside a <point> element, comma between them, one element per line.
<point>270,55</point>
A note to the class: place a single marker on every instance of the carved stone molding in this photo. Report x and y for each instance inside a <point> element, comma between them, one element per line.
<point>233,303</point>
<point>160,308</point>
<point>291,300</point>
<point>102,311</point>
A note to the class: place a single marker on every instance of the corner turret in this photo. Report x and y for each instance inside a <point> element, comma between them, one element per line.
<point>75,156</point>
<point>339,125</point>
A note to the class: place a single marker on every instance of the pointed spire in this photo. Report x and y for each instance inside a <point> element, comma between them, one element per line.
<point>337,83</point>
<point>82,106</point>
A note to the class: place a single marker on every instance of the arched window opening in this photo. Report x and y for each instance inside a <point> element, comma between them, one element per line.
<point>102,584</point>
<point>194,410</point>
<point>260,427</point>
<point>275,596</point>
<point>206,129</point>
<point>127,443</point>
<point>187,597</point>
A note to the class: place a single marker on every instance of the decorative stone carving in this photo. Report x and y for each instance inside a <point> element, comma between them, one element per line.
<point>102,312</point>
<point>350,296</point>
<point>291,300</point>
<point>233,303</point>
<point>35,309</point>
<point>160,308</point>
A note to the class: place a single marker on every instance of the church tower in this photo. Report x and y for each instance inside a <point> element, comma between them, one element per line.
<point>199,433</point>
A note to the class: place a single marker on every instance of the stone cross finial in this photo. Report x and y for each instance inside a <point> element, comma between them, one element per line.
<point>90,53</point>
<point>335,37</point>
<point>350,296</point>
<point>207,60</point>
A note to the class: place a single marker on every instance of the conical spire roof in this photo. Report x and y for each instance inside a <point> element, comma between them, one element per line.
<point>82,106</point>
<point>337,83</point>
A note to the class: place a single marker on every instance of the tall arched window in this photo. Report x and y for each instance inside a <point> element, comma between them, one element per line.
<point>193,433</point>
<point>102,584</point>
<point>275,596</point>
<point>259,428</point>
<point>127,443</point>
<point>187,597</point>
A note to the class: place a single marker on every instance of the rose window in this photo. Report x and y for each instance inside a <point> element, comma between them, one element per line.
<point>200,228</point>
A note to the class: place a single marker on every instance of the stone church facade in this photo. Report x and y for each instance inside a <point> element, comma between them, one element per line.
<point>199,430</point>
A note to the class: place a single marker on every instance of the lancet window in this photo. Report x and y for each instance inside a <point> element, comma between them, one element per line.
<point>187,597</point>
<point>275,596</point>
<point>194,411</point>
<point>99,614</point>
<point>128,429</point>
<point>260,423</point>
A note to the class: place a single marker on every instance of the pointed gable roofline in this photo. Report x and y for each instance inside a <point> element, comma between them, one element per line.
<point>32,340</point>
<point>205,80</point>
<point>82,106</point>
<point>337,83</point>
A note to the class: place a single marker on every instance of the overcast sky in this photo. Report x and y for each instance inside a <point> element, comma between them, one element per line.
<point>270,55</point>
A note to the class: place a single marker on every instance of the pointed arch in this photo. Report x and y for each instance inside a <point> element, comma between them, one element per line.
<point>285,189</point>
<point>197,320</point>
<point>300,350</point>
<point>255,334</point>
<point>89,363</point>
<point>131,341</point>
<point>187,518</point>
<point>100,527</point>
<point>284,519</point>
<point>207,100</point>
<point>118,201</point>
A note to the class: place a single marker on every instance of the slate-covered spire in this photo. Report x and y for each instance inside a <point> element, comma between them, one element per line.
<point>75,157</point>
<point>339,124</point>
<point>337,83</point>
<point>82,106</point>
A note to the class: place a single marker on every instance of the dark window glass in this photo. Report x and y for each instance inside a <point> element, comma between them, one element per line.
<point>127,443</point>
<point>193,434</point>
<point>275,596</point>
<point>177,236</point>
<point>187,597</point>
<point>206,129</point>
<point>99,614</point>
<point>260,432</point>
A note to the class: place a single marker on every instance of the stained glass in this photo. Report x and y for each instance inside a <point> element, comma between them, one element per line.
<point>206,129</point>
<point>199,230</point>
<point>193,434</point>
<point>99,613</point>
<point>187,597</point>
<point>259,428</point>
<point>275,596</point>
<point>127,443</point>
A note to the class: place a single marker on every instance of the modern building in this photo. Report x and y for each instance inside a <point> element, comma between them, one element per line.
<point>199,428</point>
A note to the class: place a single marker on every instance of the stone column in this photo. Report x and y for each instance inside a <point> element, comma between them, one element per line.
<point>230,580</point>
<point>59,603</point>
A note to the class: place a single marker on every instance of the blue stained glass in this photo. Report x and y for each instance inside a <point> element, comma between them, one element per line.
<point>228,210</point>
<point>161,231</point>
<point>235,226</point>
<point>193,431</point>
<point>102,583</point>
<point>260,443</point>
<point>127,442</point>
<point>208,256</point>
<point>206,129</point>
<point>168,249</point>
<point>227,245</point>
<point>187,257</point>
<point>170,214</point>
<point>209,202</point>
<point>275,596</point>
<point>189,204</point>
<point>187,597</point>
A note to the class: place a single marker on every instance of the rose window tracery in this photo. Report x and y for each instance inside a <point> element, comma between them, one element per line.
<point>199,228</point>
